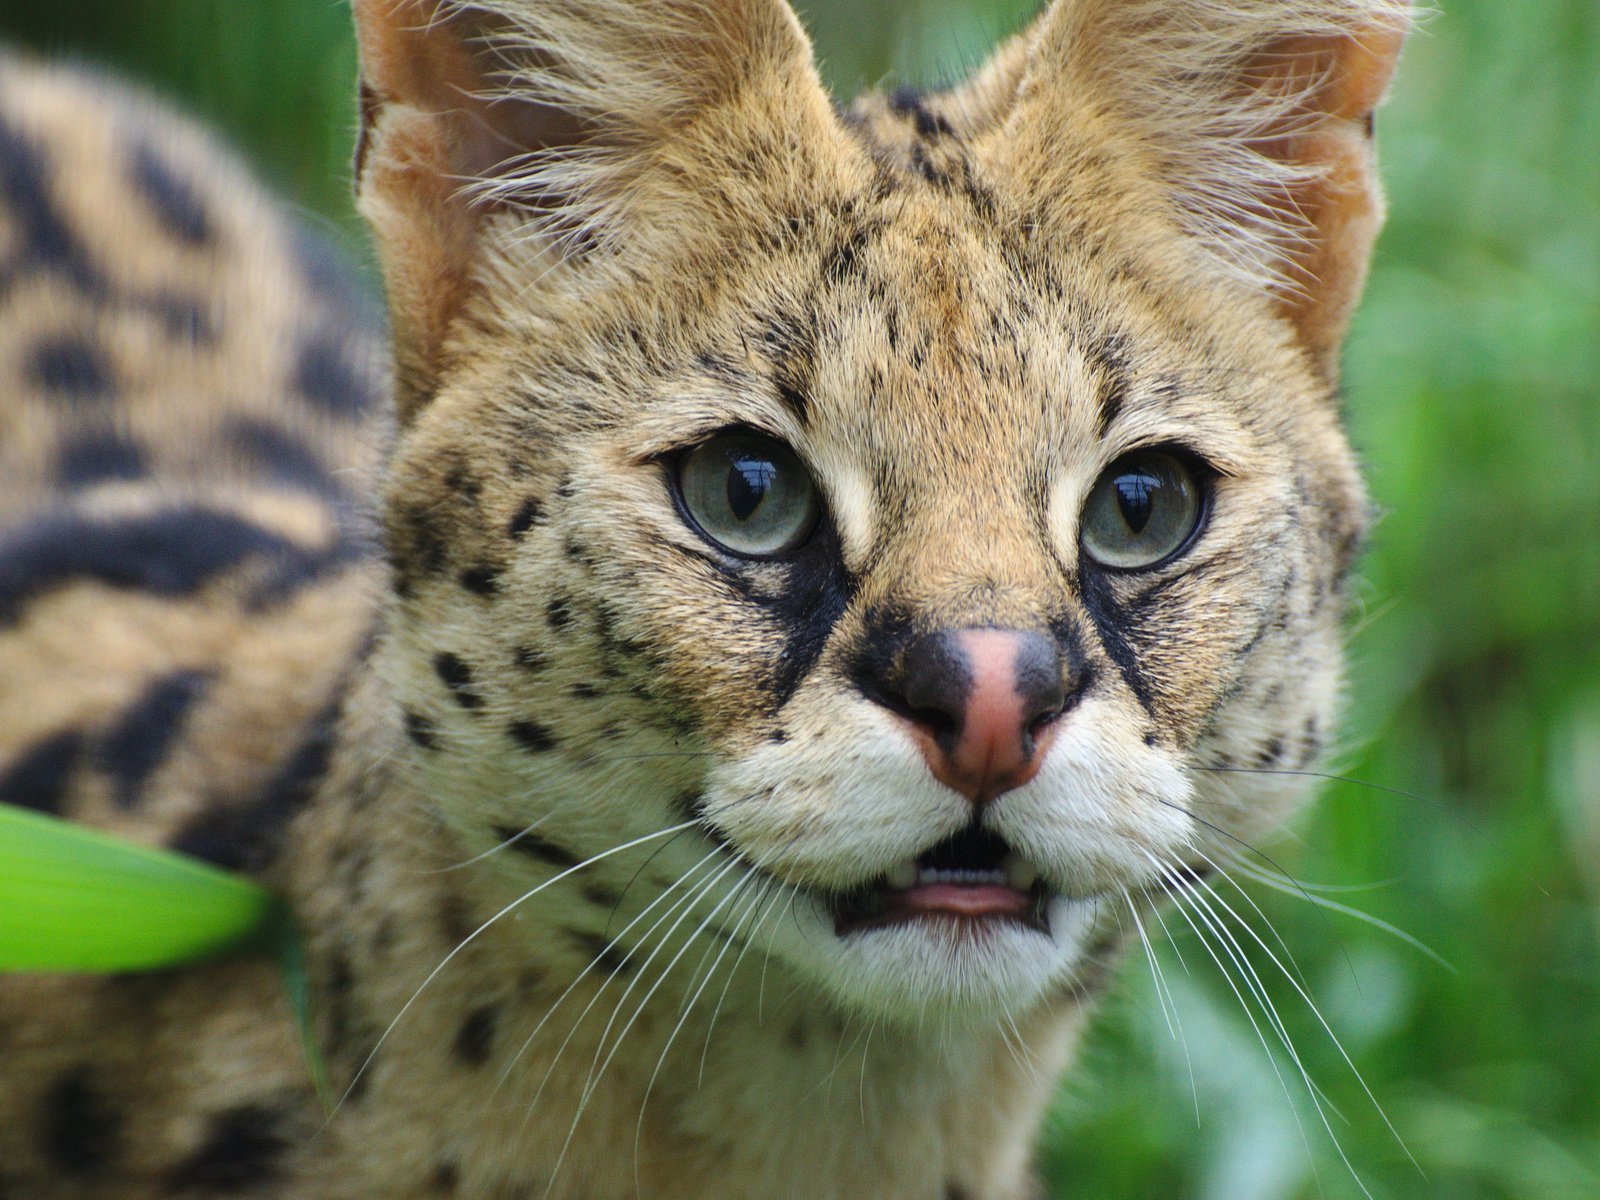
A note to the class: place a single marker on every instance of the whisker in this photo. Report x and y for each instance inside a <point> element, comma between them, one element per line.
<point>1169,1004</point>
<point>473,936</point>
<point>495,849</point>
<point>1365,918</point>
<point>596,960</point>
<point>1321,1020</point>
<point>1180,893</point>
<point>1326,775</point>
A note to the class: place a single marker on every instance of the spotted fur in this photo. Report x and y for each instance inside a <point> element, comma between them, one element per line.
<point>558,791</point>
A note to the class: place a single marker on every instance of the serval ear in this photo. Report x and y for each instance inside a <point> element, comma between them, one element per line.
<point>503,139</point>
<point>1248,122</point>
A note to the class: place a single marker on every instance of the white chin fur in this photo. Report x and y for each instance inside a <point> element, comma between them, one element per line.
<point>932,970</point>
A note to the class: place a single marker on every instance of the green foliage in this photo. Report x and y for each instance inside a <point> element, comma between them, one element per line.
<point>1475,690</point>
<point>76,899</point>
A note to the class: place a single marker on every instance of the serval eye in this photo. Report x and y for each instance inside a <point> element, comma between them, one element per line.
<point>1142,510</point>
<point>748,494</point>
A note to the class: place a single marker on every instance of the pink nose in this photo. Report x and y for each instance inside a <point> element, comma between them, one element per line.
<point>980,702</point>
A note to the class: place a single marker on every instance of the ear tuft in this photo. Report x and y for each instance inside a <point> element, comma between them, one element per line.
<point>503,131</point>
<point>1252,117</point>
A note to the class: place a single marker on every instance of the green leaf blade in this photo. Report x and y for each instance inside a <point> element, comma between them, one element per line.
<point>74,899</point>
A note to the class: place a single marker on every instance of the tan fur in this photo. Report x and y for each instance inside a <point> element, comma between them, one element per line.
<point>610,229</point>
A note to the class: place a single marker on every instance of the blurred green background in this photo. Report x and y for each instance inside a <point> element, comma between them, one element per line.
<point>1475,691</point>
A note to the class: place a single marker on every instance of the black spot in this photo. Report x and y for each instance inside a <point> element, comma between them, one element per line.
<point>1270,753</point>
<point>38,779</point>
<point>954,1191</point>
<point>583,691</point>
<point>173,200</point>
<point>690,805</point>
<point>598,893</point>
<point>421,730</point>
<point>98,456</point>
<point>909,103</point>
<point>71,367</point>
<point>523,519</point>
<point>457,676</point>
<point>325,377</point>
<point>475,1038</point>
<point>455,919</point>
<point>613,960</point>
<point>485,581</point>
<point>446,1178</point>
<point>80,1132</point>
<point>529,659</point>
<point>532,736</point>
<point>139,741</point>
<point>183,318</point>
<point>1310,741</point>
<point>43,239</point>
<point>525,841</point>
<point>244,837</point>
<point>173,552</point>
<point>242,1152</point>
<point>276,455</point>
<point>559,613</point>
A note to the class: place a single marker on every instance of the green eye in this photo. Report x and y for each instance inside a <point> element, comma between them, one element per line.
<point>1141,511</point>
<point>749,494</point>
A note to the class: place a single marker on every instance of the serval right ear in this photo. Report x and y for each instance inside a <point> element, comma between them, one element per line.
<point>1248,122</point>
<point>501,139</point>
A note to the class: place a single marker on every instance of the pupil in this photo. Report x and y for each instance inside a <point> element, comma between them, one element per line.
<point>1136,499</point>
<point>749,480</point>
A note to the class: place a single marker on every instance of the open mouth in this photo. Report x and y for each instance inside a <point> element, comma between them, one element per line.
<point>971,878</point>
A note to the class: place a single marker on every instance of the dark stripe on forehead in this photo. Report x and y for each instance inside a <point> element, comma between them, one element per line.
<point>173,552</point>
<point>140,740</point>
<point>1111,357</point>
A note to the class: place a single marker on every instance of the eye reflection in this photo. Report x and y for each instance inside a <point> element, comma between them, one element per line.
<point>748,494</point>
<point>1141,511</point>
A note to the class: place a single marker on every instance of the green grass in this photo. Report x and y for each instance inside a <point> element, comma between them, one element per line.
<point>1475,689</point>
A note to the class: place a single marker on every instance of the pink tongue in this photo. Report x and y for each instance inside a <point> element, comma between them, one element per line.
<point>979,900</point>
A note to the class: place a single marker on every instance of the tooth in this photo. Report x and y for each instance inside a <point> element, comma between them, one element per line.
<point>1019,872</point>
<point>902,876</point>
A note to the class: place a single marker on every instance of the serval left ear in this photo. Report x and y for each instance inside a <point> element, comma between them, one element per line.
<point>502,139</point>
<point>1247,122</point>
